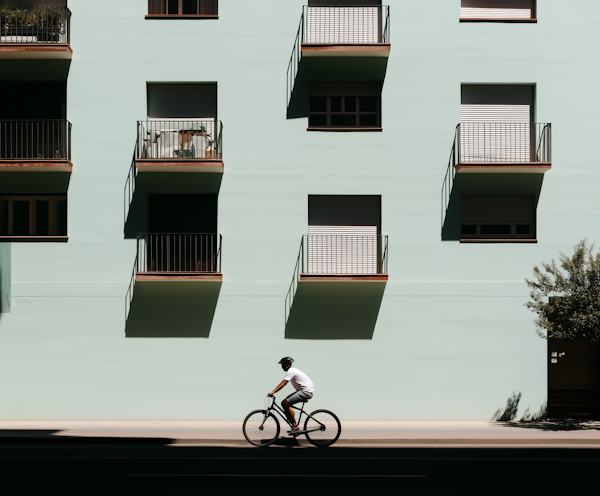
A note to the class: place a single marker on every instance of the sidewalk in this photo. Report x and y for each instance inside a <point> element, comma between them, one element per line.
<point>354,433</point>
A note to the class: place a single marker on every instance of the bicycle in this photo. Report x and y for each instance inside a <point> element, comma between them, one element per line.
<point>261,427</point>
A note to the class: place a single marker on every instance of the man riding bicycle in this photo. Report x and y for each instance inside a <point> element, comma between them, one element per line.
<point>304,390</point>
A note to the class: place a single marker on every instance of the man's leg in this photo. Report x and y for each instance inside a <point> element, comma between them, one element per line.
<point>289,412</point>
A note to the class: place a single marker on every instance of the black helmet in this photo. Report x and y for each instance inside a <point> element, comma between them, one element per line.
<point>286,361</point>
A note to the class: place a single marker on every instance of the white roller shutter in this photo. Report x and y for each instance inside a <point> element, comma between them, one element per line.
<point>496,9</point>
<point>342,249</point>
<point>342,25</point>
<point>495,133</point>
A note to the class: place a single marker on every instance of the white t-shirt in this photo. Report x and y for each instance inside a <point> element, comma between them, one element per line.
<point>299,380</point>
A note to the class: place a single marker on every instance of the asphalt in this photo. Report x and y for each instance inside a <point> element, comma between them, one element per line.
<point>560,433</point>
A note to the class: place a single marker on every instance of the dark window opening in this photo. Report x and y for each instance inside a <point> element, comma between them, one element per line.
<point>24,215</point>
<point>183,7</point>
<point>497,217</point>
<point>344,111</point>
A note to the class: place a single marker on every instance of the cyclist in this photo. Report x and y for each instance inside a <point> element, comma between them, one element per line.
<point>304,390</point>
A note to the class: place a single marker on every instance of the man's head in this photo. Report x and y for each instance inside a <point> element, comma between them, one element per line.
<point>286,362</point>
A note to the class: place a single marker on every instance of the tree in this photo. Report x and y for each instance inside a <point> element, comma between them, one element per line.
<point>566,298</point>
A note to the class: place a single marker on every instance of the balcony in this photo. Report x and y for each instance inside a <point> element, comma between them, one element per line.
<point>502,147</point>
<point>178,256</point>
<point>179,146</point>
<point>344,31</point>
<point>35,32</point>
<point>35,145</point>
<point>337,279</point>
<point>342,258</point>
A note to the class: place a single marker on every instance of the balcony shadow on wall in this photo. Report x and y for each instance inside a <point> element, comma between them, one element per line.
<point>136,220</point>
<point>335,310</point>
<point>172,309</point>
<point>35,182</point>
<point>349,69</point>
<point>486,184</point>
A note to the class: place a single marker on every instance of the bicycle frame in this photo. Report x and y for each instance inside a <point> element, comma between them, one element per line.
<point>277,409</point>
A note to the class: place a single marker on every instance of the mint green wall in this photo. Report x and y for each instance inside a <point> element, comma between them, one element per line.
<point>452,339</point>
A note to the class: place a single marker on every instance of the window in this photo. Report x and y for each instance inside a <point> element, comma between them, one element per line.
<point>496,123</point>
<point>344,105</point>
<point>497,10</point>
<point>344,234</point>
<point>33,216</point>
<point>497,217</point>
<point>197,8</point>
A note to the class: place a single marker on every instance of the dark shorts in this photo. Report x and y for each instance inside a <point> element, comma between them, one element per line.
<point>298,397</point>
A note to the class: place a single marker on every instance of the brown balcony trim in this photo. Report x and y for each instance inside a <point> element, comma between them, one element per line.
<point>483,19</point>
<point>504,167</point>
<point>346,49</point>
<point>29,239</point>
<point>35,165</point>
<point>35,51</point>
<point>345,129</point>
<point>178,276</point>
<point>179,165</point>
<point>344,277</point>
<point>182,16</point>
<point>501,240</point>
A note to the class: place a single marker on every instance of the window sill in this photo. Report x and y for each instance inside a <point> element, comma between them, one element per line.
<point>498,240</point>
<point>183,16</point>
<point>29,239</point>
<point>463,19</point>
<point>346,129</point>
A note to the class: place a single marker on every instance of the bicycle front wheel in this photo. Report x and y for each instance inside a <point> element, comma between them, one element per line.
<point>322,428</point>
<point>261,428</point>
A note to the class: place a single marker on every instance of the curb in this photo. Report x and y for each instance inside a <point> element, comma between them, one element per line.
<point>141,441</point>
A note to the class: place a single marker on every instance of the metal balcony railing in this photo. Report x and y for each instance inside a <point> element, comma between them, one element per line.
<point>39,139</point>
<point>35,24</point>
<point>504,142</point>
<point>178,252</point>
<point>177,139</point>
<point>338,25</point>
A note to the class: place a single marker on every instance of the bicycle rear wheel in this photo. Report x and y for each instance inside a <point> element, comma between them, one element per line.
<point>261,428</point>
<point>325,427</point>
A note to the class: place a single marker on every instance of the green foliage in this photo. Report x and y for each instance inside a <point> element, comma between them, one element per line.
<point>566,297</point>
<point>26,17</point>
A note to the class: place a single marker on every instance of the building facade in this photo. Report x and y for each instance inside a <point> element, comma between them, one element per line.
<point>193,189</point>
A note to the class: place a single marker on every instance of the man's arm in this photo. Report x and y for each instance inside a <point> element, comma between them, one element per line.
<point>283,383</point>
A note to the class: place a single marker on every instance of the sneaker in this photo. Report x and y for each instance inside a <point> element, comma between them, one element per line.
<point>293,431</point>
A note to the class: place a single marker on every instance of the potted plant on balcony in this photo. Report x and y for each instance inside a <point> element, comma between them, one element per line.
<point>43,24</point>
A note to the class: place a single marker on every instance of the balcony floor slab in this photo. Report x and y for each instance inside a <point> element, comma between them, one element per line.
<point>346,49</point>
<point>35,165</point>
<point>503,167</point>
<point>190,165</point>
<point>35,51</point>
<point>179,276</point>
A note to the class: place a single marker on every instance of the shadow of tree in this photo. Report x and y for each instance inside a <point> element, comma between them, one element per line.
<point>554,425</point>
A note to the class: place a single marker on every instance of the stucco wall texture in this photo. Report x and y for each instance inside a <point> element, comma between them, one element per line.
<point>452,338</point>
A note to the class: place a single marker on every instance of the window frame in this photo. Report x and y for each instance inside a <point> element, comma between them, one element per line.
<point>532,19</point>
<point>357,113</point>
<point>53,215</point>
<point>180,14</point>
